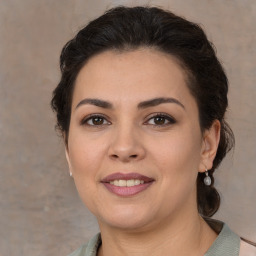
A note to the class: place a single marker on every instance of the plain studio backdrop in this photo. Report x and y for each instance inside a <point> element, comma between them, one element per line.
<point>40,211</point>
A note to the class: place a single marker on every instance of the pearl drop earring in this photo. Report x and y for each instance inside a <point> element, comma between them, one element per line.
<point>207,179</point>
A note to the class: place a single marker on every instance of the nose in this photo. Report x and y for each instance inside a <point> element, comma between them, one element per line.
<point>127,145</point>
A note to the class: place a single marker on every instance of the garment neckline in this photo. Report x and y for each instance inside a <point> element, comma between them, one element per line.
<point>227,242</point>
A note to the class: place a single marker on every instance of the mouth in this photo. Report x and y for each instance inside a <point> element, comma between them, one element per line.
<point>127,184</point>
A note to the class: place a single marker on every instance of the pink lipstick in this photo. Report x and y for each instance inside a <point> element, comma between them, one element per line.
<point>127,184</point>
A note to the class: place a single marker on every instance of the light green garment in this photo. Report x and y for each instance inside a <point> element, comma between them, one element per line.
<point>226,244</point>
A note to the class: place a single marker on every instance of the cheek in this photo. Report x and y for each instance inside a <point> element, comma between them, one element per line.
<point>85,155</point>
<point>178,147</point>
<point>178,158</point>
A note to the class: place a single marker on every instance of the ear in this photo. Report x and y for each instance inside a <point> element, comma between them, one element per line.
<point>210,143</point>
<point>67,155</point>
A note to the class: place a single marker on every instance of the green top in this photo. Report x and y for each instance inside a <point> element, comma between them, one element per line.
<point>227,242</point>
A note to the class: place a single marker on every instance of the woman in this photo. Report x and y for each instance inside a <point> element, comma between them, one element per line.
<point>141,106</point>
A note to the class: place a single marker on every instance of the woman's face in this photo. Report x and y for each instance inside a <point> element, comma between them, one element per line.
<point>135,145</point>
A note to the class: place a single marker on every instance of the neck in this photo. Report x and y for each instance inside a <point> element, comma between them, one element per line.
<point>185,235</point>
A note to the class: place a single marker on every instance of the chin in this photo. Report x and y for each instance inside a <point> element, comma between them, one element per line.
<point>126,219</point>
<point>128,225</point>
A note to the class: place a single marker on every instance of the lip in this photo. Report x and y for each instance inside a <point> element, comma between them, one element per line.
<point>127,191</point>
<point>126,176</point>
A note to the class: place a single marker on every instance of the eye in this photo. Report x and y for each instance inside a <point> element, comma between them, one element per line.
<point>160,119</point>
<point>95,120</point>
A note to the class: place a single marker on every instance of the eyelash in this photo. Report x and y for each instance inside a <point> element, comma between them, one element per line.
<point>91,117</point>
<point>168,118</point>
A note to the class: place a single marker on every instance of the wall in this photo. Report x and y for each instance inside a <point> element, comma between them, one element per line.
<point>40,212</point>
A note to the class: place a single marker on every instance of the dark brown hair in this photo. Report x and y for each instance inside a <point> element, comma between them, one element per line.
<point>124,28</point>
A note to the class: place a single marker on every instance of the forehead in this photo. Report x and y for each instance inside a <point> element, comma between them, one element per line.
<point>130,76</point>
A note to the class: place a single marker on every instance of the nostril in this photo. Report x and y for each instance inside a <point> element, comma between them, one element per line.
<point>133,156</point>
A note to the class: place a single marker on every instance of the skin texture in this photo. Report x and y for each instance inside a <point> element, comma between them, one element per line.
<point>127,140</point>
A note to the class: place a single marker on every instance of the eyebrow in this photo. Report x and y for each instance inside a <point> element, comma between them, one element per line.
<point>158,101</point>
<point>95,102</point>
<point>141,105</point>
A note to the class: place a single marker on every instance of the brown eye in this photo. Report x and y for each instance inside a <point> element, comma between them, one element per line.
<point>95,120</point>
<point>161,120</point>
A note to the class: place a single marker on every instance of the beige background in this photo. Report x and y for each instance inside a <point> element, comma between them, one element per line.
<point>40,212</point>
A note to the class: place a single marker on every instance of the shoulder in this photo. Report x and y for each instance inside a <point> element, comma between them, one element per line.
<point>228,243</point>
<point>80,251</point>
<point>89,249</point>
<point>247,249</point>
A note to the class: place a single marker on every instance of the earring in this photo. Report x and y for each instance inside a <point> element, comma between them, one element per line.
<point>207,179</point>
<point>70,174</point>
